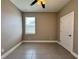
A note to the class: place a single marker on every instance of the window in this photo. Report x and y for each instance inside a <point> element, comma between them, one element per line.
<point>30,25</point>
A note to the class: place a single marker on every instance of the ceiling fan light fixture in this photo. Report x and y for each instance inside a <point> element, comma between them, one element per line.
<point>44,2</point>
<point>39,2</point>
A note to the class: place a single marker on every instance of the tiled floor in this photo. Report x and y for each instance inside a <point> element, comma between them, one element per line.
<point>40,51</point>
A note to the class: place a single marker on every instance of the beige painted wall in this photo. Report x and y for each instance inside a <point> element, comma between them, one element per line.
<point>71,6</point>
<point>46,26</point>
<point>11,25</point>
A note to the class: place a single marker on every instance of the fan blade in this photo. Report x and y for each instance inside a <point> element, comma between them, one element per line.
<point>43,5</point>
<point>33,2</point>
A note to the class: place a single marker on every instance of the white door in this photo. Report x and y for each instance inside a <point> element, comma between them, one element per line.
<point>66,31</point>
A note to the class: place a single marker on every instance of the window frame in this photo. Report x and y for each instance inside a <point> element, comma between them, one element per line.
<point>35,26</point>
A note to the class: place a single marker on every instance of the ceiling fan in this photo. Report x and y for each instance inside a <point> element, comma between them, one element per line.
<point>40,2</point>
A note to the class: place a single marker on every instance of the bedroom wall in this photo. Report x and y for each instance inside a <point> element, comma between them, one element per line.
<point>11,25</point>
<point>46,26</point>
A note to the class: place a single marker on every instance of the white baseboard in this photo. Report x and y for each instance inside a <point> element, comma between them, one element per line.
<point>40,41</point>
<point>10,51</point>
<point>73,53</point>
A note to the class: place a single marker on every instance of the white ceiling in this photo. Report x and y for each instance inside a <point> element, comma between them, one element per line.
<point>51,5</point>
